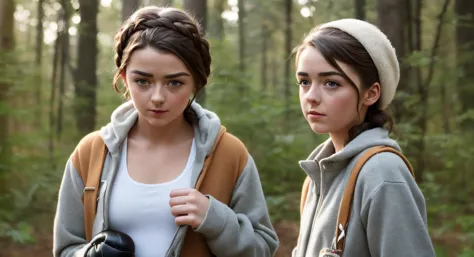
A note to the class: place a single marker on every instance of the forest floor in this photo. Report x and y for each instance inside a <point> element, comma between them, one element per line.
<point>287,232</point>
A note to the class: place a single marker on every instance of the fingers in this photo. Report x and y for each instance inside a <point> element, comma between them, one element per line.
<point>190,220</point>
<point>183,209</point>
<point>188,206</point>
<point>178,200</point>
<point>181,192</point>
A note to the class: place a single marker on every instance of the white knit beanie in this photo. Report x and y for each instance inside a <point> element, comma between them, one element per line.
<point>380,50</point>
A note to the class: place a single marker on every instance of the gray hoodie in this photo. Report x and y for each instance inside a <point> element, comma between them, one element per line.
<point>388,217</point>
<point>241,229</point>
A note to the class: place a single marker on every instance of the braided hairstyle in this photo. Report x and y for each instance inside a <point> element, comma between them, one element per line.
<point>165,29</point>
<point>335,44</point>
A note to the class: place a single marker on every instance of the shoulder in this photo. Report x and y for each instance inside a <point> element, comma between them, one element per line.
<point>87,142</point>
<point>89,139</point>
<point>233,144</point>
<point>382,172</point>
<point>383,168</point>
<point>232,151</point>
<point>86,145</point>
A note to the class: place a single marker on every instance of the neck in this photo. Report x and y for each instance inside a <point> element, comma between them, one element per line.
<point>175,132</point>
<point>338,140</point>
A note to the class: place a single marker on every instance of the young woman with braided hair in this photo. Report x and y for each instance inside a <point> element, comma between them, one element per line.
<point>157,144</point>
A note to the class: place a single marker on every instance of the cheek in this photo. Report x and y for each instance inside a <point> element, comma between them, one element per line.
<point>343,101</point>
<point>344,104</point>
<point>302,96</point>
<point>302,102</point>
<point>137,93</point>
<point>181,97</point>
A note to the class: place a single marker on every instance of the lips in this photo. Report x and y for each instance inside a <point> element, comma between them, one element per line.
<point>315,113</point>
<point>158,111</point>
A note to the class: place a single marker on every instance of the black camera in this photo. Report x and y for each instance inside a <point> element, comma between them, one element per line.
<point>110,243</point>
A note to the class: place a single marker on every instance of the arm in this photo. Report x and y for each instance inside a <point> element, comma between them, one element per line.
<point>69,234</point>
<point>394,217</point>
<point>243,228</point>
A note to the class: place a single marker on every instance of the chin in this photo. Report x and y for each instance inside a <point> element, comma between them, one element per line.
<point>158,123</point>
<point>318,129</point>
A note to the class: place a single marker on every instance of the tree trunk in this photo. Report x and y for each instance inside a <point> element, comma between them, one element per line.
<point>128,7</point>
<point>287,52</point>
<point>274,65</point>
<point>411,20</point>
<point>465,64</point>
<point>198,8</point>
<point>424,89</point>
<point>219,21</point>
<point>64,63</point>
<point>7,44</point>
<point>39,33</point>
<point>52,100</point>
<point>85,75</point>
<point>359,9</point>
<point>445,108</point>
<point>264,64</point>
<point>241,22</point>
<point>38,60</point>
<point>415,40</point>
<point>391,20</point>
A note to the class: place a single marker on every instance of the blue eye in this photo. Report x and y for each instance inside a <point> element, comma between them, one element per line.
<point>141,82</point>
<point>175,83</point>
<point>303,83</point>
<point>332,84</point>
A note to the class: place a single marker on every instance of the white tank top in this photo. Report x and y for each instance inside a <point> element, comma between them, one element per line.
<point>142,210</point>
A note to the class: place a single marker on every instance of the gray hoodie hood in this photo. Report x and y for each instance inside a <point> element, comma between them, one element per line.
<point>125,117</point>
<point>367,139</point>
<point>325,156</point>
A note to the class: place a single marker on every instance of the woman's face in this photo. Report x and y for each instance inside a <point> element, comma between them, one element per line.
<point>160,85</point>
<point>329,102</point>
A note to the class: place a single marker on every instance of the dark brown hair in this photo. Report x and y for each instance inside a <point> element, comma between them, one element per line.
<point>165,29</point>
<point>335,44</point>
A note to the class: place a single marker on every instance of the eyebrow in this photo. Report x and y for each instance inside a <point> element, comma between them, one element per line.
<point>175,75</point>
<point>144,74</point>
<point>168,76</point>
<point>302,73</point>
<point>322,74</point>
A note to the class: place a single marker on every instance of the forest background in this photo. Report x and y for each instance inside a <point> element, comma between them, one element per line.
<point>56,57</point>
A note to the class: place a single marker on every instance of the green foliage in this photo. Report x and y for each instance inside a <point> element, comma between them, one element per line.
<point>255,114</point>
<point>450,211</point>
<point>20,232</point>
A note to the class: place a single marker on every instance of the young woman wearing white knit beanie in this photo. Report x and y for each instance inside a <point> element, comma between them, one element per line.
<point>347,72</point>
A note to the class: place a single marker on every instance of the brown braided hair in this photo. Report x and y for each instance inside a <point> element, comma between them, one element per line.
<point>166,29</point>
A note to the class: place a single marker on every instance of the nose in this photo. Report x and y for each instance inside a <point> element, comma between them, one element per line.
<point>313,95</point>
<point>158,96</point>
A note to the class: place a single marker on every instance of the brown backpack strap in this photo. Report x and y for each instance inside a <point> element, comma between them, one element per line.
<point>304,193</point>
<point>346,202</point>
<point>88,160</point>
<point>208,160</point>
<point>222,168</point>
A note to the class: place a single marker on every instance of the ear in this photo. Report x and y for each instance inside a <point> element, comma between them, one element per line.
<point>371,95</point>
